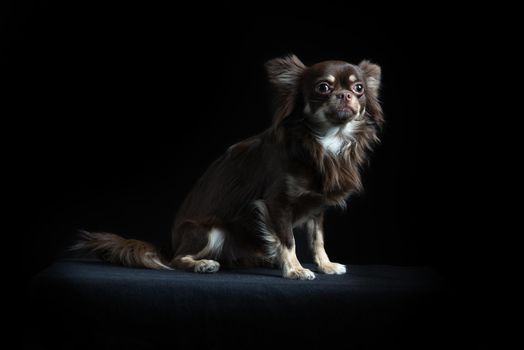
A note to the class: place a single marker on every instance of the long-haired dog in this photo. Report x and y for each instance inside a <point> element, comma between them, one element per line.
<point>246,205</point>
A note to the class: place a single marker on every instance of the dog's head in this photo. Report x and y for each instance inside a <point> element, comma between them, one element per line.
<point>326,94</point>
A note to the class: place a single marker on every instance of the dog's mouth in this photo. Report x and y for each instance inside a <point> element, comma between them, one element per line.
<point>344,114</point>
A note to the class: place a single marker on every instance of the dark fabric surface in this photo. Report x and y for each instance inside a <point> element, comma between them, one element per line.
<point>90,304</point>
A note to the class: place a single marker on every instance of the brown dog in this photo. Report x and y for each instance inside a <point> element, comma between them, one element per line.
<point>245,206</point>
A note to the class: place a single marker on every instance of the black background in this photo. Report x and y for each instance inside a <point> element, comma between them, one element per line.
<point>121,107</point>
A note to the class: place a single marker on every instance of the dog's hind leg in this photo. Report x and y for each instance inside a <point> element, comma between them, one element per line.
<point>200,248</point>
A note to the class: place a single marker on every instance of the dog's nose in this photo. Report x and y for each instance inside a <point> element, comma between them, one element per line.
<point>346,95</point>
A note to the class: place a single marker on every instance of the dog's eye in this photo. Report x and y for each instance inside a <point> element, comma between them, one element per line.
<point>358,88</point>
<point>323,88</point>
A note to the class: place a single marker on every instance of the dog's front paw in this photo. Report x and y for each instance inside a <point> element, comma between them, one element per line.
<point>332,268</point>
<point>299,274</point>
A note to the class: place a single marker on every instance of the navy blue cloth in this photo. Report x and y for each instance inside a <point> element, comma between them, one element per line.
<point>90,304</point>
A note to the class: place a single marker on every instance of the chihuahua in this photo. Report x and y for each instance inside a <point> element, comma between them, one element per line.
<point>245,206</point>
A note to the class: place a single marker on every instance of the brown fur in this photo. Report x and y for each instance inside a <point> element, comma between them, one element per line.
<point>247,203</point>
<point>117,250</point>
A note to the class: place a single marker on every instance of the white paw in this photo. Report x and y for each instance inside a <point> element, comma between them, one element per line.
<point>207,266</point>
<point>332,268</point>
<point>300,274</point>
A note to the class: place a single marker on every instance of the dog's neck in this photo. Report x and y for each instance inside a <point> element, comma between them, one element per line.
<point>335,152</point>
<point>336,139</point>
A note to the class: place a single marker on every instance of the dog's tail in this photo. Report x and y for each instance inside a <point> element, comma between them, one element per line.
<point>120,251</point>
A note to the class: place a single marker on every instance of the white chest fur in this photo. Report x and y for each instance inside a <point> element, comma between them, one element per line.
<point>337,139</point>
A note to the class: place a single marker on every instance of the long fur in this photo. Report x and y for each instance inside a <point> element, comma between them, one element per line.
<point>284,74</point>
<point>118,250</point>
<point>263,187</point>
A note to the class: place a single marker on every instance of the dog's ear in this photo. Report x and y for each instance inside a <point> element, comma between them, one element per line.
<point>285,75</point>
<point>373,74</point>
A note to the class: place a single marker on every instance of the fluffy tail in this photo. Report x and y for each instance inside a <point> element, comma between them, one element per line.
<point>118,250</point>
